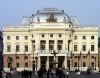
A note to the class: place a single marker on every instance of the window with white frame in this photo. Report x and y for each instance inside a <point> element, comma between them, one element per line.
<point>75,37</point>
<point>75,47</point>
<point>84,47</point>
<point>26,48</point>
<point>8,48</point>
<point>17,37</point>
<point>92,37</point>
<point>26,37</point>
<point>84,37</point>
<point>8,37</point>
<point>92,47</point>
<point>17,48</point>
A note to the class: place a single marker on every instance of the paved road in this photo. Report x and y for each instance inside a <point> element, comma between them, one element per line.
<point>70,76</point>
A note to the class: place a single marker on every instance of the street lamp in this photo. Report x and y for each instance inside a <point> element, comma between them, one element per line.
<point>54,59</point>
<point>36,62</point>
<point>95,62</point>
<point>10,61</point>
<point>78,62</point>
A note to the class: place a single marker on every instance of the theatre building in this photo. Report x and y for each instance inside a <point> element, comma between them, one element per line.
<point>32,44</point>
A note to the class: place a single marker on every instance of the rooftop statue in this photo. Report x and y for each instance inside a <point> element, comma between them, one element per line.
<point>51,19</point>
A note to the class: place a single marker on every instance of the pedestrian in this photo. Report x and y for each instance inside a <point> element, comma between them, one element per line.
<point>4,75</point>
<point>60,73</point>
<point>64,72</point>
<point>22,73</point>
<point>57,72</point>
<point>76,71</point>
<point>67,73</point>
<point>30,74</point>
<point>48,73</point>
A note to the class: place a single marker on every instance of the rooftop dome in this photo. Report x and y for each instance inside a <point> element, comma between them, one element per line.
<point>50,15</point>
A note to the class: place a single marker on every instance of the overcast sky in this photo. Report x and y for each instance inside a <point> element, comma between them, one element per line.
<point>87,12</point>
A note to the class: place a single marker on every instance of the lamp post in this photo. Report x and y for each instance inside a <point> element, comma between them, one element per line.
<point>36,62</point>
<point>95,62</point>
<point>78,62</point>
<point>10,61</point>
<point>54,59</point>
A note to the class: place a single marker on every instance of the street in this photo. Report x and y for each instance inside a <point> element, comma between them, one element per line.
<point>70,76</point>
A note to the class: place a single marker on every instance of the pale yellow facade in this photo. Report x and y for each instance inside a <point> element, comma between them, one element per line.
<point>43,38</point>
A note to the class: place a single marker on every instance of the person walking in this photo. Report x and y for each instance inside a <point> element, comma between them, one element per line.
<point>63,72</point>
<point>30,74</point>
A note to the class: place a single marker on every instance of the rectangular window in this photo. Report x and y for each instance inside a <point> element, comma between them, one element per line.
<point>92,37</point>
<point>92,64</point>
<point>84,47</point>
<point>17,64</point>
<point>17,57</point>
<point>92,47</point>
<point>84,64</point>
<point>17,37</point>
<point>17,48</point>
<point>25,57</point>
<point>8,37</point>
<point>59,47</point>
<point>75,47</point>
<point>26,37</point>
<point>75,37</point>
<point>8,48</point>
<point>84,37</point>
<point>42,47</point>
<point>26,48</point>
<point>75,64</point>
<point>26,64</point>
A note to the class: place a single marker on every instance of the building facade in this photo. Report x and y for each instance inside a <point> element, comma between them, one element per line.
<point>30,45</point>
<point>1,52</point>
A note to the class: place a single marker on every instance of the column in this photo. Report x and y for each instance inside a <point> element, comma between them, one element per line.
<point>65,62</point>
<point>55,42</point>
<point>47,43</point>
<point>39,60</point>
<point>37,42</point>
<point>66,42</point>
<point>47,62</point>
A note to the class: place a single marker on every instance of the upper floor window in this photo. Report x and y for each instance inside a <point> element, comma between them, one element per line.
<point>92,47</point>
<point>84,37</point>
<point>26,37</point>
<point>75,37</point>
<point>26,57</point>
<point>92,37</point>
<point>17,64</point>
<point>17,48</point>
<point>75,64</point>
<point>17,37</point>
<point>8,37</point>
<point>8,48</point>
<point>75,47</point>
<point>84,47</point>
<point>51,35</point>
<point>26,64</point>
<point>17,57</point>
<point>84,64</point>
<point>26,47</point>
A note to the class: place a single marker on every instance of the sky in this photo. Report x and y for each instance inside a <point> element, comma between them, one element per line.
<point>87,12</point>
